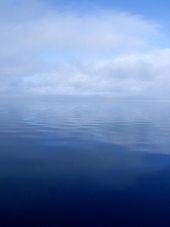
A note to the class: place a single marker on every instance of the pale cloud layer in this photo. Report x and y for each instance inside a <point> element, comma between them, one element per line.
<point>48,51</point>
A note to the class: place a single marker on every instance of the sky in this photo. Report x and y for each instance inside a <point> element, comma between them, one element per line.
<point>70,47</point>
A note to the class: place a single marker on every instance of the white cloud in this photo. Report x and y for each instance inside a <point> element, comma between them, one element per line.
<point>126,75</point>
<point>45,50</point>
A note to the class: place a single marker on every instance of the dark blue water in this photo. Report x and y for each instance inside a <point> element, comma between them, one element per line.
<point>84,162</point>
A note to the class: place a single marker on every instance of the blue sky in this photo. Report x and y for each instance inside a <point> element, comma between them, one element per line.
<point>157,10</point>
<point>118,48</point>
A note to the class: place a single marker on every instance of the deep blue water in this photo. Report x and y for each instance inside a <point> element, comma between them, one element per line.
<point>84,162</point>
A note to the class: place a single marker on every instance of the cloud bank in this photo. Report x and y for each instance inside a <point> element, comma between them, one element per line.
<point>44,50</point>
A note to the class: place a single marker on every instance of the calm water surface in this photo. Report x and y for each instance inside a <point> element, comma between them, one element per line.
<point>82,162</point>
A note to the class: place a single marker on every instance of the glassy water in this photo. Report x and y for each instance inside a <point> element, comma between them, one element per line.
<point>84,162</point>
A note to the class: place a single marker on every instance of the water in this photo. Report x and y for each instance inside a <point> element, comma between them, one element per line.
<point>84,162</point>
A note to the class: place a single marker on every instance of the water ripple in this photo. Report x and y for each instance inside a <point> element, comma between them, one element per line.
<point>138,126</point>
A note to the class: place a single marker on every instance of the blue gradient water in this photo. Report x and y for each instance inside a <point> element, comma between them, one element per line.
<point>84,162</point>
